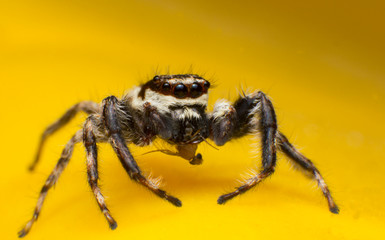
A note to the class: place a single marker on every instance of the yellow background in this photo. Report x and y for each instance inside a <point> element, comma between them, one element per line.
<point>322,63</point>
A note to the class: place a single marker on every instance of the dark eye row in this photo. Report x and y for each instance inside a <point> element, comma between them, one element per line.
<point>182,91</point>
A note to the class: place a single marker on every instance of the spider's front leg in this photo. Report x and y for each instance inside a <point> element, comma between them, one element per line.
<point>89,141</point>
<point>253,113</point>
<point>117,141</point>
<point>235,121</point>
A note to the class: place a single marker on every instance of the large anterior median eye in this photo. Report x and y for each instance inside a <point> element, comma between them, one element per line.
<point>180,91</point>
<point>195,90</point>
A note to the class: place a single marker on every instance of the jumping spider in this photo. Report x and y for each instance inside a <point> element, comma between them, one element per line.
<point>172,108</point>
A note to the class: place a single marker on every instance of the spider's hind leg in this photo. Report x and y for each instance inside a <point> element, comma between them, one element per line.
<point>305,163</point>
<point>85,106</point>
<point>51,180</point>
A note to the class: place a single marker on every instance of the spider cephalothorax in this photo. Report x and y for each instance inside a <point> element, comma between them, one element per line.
<point>173,109</point>
<point>175,106</point>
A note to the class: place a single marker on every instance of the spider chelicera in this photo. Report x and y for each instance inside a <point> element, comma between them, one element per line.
<point>172,108</point>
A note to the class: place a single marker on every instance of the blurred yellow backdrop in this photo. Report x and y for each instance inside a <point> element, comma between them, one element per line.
<point>322,63</point>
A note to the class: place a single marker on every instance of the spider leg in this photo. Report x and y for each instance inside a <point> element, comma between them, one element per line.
<point>89,141</point>
<point>85,106</point>
<point>268,126</point>
<point>305,163</point>
<point>118,143</point>
<point>51,180</point>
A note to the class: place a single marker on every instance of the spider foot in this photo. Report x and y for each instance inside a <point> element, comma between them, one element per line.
<point>113,225</point>
<point>225,197</point>
<point>159,192</point>
<point>25,230</point>
<point>31,168</point>
<point>175,201</point>
<point>334,209</point>
<point>111,221</point>
<point>22,233</point>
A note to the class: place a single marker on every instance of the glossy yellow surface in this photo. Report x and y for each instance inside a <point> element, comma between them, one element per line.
<point>322,64</point>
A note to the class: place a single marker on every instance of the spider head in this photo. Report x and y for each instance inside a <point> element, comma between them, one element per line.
<point>183,100</point>
<point>186,86</point>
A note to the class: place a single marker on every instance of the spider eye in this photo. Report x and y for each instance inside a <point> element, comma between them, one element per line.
<point>166,87</point>
<point>195,90</point>
<point>206,84</point>
<point>180,91</point>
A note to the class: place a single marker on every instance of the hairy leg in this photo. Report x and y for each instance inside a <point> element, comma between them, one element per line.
<point>268,127</point>
<point>118,143</point>
<point>305,163</point>
<point>85,106</point>
<point>89,141</point>
<point>51,180</point>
